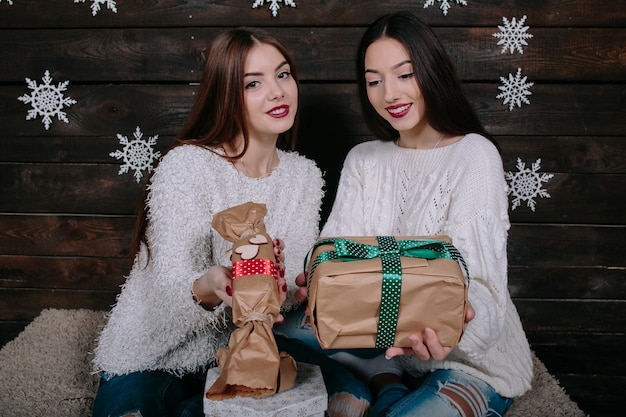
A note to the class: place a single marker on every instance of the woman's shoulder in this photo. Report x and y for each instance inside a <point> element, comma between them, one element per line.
<point>369,149</point>
<point>475,147</point>
<point>190,157</point>
<point>293,160</point>
<point>478,142</point>
<point>187,152</point>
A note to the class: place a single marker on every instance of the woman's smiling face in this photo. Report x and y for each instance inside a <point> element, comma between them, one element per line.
<point>391,85</point>
<point>270,93</point>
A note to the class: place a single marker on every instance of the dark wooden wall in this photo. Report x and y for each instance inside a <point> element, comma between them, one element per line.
<point>66,216</point>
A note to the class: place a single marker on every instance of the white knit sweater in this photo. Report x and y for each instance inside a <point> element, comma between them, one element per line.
<point>460,191</point>
<point>155,324</point>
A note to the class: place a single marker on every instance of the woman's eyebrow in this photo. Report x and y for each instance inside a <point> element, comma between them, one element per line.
<point>398,65</point>
<point>256,74</point>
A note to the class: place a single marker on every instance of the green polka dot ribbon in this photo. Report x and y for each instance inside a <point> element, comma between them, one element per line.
<point>389,250</point>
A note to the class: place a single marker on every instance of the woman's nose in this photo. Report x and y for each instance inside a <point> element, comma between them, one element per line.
<point>276,91</point>
<point>392,92</point>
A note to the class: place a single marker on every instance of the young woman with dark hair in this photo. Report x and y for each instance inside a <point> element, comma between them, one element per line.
<point>173,313</point>
<point>434,171</point>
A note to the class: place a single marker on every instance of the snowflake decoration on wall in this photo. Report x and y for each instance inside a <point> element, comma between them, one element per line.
<point>445,4</point>
<point>137,154</point>
<point>513,35</point>
<point>273,5</point>
<point>46,100</point>
<point>514,90</point>
<point>525,184</point>
<point>95,5</point>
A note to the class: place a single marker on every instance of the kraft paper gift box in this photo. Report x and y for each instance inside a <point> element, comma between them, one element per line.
<point>373,291</point>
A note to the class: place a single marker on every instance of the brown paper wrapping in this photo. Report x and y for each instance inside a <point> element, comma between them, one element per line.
<point>344,299</point>
<point>251,365</point>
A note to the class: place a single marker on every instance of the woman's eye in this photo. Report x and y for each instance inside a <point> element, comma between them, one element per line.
<point>373,83</point>
<point>251,84</point>
<point>284,74</point>
<point>408,75</point>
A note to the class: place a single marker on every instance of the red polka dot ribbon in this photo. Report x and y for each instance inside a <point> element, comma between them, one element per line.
<point>255,267</point>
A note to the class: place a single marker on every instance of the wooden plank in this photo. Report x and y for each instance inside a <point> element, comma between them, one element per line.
<point>66,235</point>
<point>106,236</point>
<point>25,305</point>
<point>574,199</point>
<point>329,111</point>
<point>63,188</point>
<point>99,189</point>
<point>592,353</point>
<point>177,55</point>
<point>563,154</point>
<point>565,316</point>
<point>546,245</point>
<point>102,274</point>
<point>70,149</point>
<point>161,13</point>
<point>564,282</point>
<point>574,154</point>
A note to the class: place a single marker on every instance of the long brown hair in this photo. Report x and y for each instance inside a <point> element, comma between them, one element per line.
<point>218,115</point>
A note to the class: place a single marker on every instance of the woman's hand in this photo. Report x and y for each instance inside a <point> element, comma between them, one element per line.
<point>426,345</point>
<point>301,281</point>
<point>214,287</point>
<point>279,246</point>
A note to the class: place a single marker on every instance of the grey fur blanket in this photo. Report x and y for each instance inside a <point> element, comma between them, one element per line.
<point>46,371</point>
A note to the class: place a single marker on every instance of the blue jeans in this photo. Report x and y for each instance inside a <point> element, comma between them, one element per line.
<point>150,394</point>
<point>443,393</point>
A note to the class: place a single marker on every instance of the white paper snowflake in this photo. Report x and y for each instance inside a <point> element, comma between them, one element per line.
<point>525,184</point>
<point>138,154</point>
<point>95,5</point>
<point>514,90</point>
<point>445,4</point>
<point>513,35</point>
<point>10,2</point>
<point>273,5</point>
<point>46,100</point>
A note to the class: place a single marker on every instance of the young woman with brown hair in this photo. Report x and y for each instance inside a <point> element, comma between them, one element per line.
<point>172,314</point>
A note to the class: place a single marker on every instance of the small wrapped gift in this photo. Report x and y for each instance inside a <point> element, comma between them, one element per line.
<point>251,365</point>
<point>369,292</point>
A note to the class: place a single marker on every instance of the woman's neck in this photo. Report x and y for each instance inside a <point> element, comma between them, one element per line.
<point>259,160</point>
<point>421,138</point>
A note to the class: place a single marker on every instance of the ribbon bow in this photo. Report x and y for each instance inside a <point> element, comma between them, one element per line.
<point>389,251</point>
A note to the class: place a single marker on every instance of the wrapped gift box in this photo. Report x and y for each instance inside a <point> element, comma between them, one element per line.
<point>346,287</point>
<point>306,398</point>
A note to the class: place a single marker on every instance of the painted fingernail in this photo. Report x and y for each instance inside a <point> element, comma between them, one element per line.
<point>284,287</point>
<point>229,291</point>
<point>282,273</point>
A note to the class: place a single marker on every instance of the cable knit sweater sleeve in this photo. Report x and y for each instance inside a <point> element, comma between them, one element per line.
<point>478,224</point>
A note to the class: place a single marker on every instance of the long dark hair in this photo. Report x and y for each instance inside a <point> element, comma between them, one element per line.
<point>447,108</point>
<point>218,114</point>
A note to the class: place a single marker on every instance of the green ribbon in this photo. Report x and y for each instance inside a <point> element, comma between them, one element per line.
<point>389,250</point>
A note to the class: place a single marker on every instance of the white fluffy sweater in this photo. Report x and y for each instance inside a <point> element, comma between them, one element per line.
<point>460,191</point>
<point>155,324</point>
